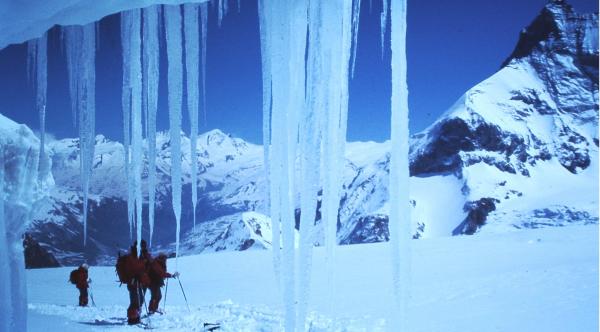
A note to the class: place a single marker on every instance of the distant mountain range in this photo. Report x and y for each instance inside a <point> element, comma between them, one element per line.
<point>518,150</point>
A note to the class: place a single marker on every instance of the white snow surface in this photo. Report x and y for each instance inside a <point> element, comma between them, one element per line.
<point>534,280</point>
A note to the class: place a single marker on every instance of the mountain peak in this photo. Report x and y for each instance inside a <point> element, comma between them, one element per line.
<point>558,29</point>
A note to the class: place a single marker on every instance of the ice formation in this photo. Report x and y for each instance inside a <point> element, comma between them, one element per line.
<point>308,52</point>
<point>80,44</point>
<point>192,64</point>
<point>266,130</point>
<point>173,27</point>
<point>150,97</point>
<point>131,21</point>
<point>21,186</point>
<point>203,32</point>
<point>307,130</point>
<point>384,24</point>
<point>37,68</point>
<point>355,24</point>
<point>399,218</point>
<point>126,107</point>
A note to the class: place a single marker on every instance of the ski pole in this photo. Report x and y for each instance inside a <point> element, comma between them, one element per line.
<point>92,297</point>
<point>166,292</point>
<point>184,297</point>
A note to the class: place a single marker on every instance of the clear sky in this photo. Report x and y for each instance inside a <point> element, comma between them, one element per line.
<point>452,45</point>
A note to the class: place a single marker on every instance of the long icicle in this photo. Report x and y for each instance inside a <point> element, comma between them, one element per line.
<point>37,66</point>
<point>192,64</point>
<point>265,41</point>
<point>175,86</point>
<point>355,25</point>
<point>80,45</point>
<point>399,221</point>
<point>151,74</point>
<point>126,108</point>
<point>203,29</point>
<point>135,83</point>
<point>87,114</point>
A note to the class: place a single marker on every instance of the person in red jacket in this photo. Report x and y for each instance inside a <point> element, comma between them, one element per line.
<point>137,281</point>
<point>157,273</point>
<point>80,278</point>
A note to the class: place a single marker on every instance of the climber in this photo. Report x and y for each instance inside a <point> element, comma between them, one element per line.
<point>79,277</point>
<point>132,272</point>
<point>158,273</point>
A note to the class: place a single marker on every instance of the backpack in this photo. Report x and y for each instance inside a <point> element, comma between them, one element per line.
<point>74,276</point>
<point>123,270</point>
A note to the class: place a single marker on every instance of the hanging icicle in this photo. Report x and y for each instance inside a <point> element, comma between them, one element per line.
<point>384,17</point>
<point>172,16</point>
<point>81,59</point>
<point>355,25</point>
<point>265,48</point>
<point>37,67</point>
<point>305,112</point>
<point>203,29</point>
<point>220,11</point>
<point>399,220</point>
<point>151,79</point>
<point>132,46</point>
<point>192,64</point>
<point>126,96</point>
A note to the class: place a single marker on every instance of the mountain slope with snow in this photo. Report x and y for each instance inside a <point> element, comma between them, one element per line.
<point>518,150</point>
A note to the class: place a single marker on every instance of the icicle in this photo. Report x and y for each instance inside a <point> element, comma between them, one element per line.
<point>151,77</point>
<point>87,116</point>
<point>192,62</point>
<point>203,28</point>
<point>266,132</point>
<point>175,82</point>
<point>384,17</point>
<point>220,11</point>
<point>37,68</point>
<point>31,58</point>
<point>71,37</point>
<point>355,24</point>
<point>239,5</point>
<point>126,107</point>
<point>277,17</point>
<point>132,46</point>
<point>399,221</point>
<point>81,59</point>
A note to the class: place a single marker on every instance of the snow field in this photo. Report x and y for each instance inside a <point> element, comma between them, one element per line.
<point>533,280</point>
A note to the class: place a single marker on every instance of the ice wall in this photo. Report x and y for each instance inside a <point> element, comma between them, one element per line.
<point>21,186</point>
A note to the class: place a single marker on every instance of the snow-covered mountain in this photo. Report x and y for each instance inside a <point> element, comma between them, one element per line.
<point>519,149</point>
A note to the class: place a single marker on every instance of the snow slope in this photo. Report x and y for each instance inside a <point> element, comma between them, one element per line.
<point>533,280</point>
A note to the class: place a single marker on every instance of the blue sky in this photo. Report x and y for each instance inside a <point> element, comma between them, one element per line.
<point>452,45</point>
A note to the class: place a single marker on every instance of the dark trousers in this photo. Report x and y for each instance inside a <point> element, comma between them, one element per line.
<point>136,299</point>
<point>83,297</point>
<point>155,297</point>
